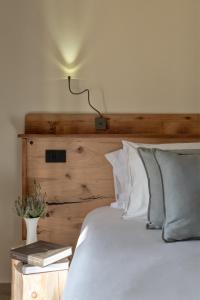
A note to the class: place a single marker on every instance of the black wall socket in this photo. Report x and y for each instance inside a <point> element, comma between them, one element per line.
<point>55,156</point>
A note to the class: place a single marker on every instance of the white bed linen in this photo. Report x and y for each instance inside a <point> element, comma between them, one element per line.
<point>119,259</point>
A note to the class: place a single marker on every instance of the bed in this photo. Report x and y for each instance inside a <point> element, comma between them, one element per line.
<point>85,182</point>
<point>115,258</point>
<point>121,260</point>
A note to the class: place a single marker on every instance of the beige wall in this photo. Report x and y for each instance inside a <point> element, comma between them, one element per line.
<point>135,55</point>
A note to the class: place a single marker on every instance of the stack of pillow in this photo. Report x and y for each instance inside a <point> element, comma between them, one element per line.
<point>161,183</point>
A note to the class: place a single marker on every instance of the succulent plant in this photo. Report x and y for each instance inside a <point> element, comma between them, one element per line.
<point>32,206</point>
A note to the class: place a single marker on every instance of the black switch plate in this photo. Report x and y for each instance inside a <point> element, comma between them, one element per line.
<point>55,156</point>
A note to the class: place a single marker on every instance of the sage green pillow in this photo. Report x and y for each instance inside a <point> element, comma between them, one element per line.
<point>181,186</point>
<point>155,213</point>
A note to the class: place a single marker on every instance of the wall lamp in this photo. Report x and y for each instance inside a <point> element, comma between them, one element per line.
<point>100,121</point>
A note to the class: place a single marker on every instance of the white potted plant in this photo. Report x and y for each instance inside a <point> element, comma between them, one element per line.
<point>31,208</point>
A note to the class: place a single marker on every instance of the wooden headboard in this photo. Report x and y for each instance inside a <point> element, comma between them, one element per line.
<point>85,181</point>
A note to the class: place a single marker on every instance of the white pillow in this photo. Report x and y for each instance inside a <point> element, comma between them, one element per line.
<point>118,160</point>
<point>138,181</point>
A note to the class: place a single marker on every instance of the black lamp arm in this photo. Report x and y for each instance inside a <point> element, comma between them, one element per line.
<point>88,96</point>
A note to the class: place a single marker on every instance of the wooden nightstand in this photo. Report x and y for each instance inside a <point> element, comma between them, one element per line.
<point>40,286</point>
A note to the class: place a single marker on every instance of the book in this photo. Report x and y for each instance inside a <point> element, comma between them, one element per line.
<point>58,266</point>
<point>41,253</point>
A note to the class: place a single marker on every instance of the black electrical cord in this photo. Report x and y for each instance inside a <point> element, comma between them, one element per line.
<point>82,92</point>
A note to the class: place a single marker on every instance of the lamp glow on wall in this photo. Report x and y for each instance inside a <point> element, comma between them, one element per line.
<point>100,121</point>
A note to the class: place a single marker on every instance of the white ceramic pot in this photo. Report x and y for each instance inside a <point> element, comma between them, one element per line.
<point>31,229</point>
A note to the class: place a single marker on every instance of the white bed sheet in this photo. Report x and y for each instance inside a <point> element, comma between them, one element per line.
<point>119,259</point>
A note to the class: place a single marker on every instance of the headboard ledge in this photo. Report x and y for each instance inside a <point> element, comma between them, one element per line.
<point>137,124</point>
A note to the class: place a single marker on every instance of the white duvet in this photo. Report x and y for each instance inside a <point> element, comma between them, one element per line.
<point>119,259</point>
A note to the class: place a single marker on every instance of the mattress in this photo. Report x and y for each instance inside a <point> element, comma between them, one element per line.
<point>118,259</point>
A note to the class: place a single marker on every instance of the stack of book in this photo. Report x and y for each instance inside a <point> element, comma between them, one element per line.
<point>42,257</point>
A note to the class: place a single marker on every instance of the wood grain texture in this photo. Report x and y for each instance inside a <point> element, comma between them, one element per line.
<point>144,124</point>
<point>41,286</point>
<point>85,181</point>
<point>24,179</point>
<point>16,286</point>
